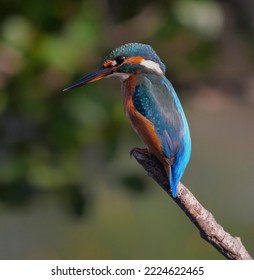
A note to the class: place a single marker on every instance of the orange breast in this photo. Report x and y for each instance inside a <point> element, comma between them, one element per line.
<point>140,124</point>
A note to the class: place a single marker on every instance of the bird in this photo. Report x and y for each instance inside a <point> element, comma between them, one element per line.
<point>150,104</point>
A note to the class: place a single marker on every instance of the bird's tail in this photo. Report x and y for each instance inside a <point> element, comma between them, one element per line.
<point>173,181</point>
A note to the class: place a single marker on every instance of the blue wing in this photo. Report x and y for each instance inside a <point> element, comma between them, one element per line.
<point>156,99</point>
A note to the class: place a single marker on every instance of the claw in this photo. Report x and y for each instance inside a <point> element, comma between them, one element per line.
<point>143,151</point>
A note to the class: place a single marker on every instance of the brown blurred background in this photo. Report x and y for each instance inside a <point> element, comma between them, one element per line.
<point>68,189</point>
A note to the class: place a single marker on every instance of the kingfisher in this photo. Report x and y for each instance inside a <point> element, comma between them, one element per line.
<point>151,105</point>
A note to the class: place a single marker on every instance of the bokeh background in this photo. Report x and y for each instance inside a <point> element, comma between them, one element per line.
<point>68,188</point>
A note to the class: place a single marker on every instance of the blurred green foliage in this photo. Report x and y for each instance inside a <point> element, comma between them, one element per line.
<point>68,153</point>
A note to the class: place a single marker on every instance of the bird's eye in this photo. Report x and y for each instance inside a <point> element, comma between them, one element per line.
<point>120,59</point>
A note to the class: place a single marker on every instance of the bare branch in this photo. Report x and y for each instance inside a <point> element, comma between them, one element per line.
<point>229,246</point>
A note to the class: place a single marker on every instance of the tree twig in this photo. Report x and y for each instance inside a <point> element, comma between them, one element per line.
<point>229,246</point>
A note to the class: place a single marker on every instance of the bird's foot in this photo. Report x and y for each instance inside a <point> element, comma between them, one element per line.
<point>143,151</point>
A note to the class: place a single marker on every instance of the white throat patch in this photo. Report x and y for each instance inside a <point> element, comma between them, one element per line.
<point>152,65</point>
<point>120,76</point>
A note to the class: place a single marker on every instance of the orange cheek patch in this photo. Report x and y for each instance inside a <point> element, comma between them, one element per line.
<point>134,60</point>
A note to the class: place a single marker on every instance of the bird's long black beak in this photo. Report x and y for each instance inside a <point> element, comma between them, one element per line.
<point>91,77</point>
